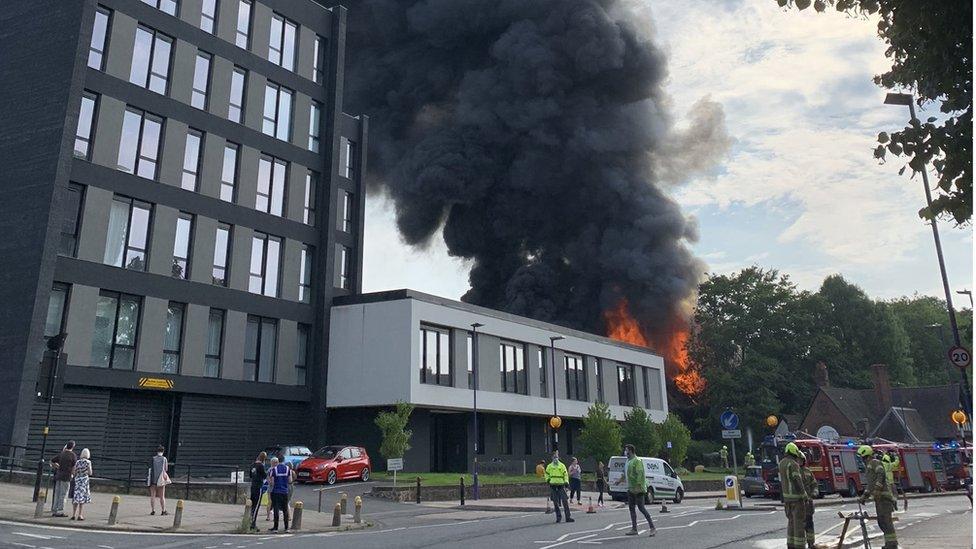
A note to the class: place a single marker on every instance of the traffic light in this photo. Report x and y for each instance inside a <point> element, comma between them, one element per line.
<point>50,376</point>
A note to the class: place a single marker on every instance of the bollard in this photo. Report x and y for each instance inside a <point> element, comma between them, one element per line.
<point>358,516</point>
<point>589,509</point>
<point>296,519</point>
<point>336,516</point>
<point>342,502</point>
<point>39,508</point>
<point>320,501</point>
<point>664,506</point>
<point>462,491</point>
<point>418,489</point>
<point>113,514</point>
<point>178,515</point>
<point>246,519</point>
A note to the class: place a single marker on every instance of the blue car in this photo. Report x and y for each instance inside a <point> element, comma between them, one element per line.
<point>293,454</point>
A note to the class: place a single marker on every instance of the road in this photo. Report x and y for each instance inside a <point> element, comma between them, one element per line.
<point>692,525</point>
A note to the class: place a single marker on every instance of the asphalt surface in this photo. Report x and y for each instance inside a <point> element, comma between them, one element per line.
<point>692,525</point>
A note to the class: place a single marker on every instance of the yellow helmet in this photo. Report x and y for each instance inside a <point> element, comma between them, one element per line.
<point>865,451</point>
<point>792,450</point>
<point>886,458</point>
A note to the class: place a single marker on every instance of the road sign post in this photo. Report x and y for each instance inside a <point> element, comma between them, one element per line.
<point>960,357</point>
<point>730,430</point>
<point>394,464</point>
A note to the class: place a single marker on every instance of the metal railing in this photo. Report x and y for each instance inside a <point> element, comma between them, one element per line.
<point>24,459</point>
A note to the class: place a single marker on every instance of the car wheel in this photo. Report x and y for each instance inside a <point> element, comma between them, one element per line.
<point>678,495</point>
<point>851,489</point>
<point>748,494</point>
<point>364,475</point>
<point>650,496</point>
<point>331,477</point>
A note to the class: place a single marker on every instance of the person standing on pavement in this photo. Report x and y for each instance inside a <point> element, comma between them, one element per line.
<point>280,479</point>
<point>794,496</point>
<point>636,490</point>
<point>64,467</point>
<point>601,481</point>
<point>540,468</point>
<point>557,477</point>
<point>750,459</point>
<point>724,454</point>
<point>158,479</point>
<point>258,477</point>
<point>575,481</point>
<point>82,495</point>
<point>810,486</point>
<point>890,461</point>
<point>877,487</point>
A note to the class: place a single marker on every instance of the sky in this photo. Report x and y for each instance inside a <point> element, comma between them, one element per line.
<point>799,190</point>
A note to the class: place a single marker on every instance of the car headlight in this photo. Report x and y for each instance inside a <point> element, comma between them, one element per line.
<point>320,466</point>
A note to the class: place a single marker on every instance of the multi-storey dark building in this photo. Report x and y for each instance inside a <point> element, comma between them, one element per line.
<point>182,197</point>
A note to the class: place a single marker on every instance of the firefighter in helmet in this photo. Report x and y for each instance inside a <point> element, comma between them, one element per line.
<point>877,487</point>
<point>750,459</point>
<point>794,496</point>
<point>724,454</point>
<point>810,486</point>
<point>890,462</point>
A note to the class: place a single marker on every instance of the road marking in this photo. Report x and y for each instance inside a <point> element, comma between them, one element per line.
<point>106,547</point>
<point>575,540</point>
<point>36,536</point>
<point>23,544</point>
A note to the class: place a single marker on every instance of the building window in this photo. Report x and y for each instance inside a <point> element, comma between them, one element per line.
<point>345,221</point>
<point>315,115</point>
<point>511,363</point>
<point>128,234</point>
<point>527,433</point>
<point>435,356</point>
<point>215,337</point>
<point>318,61</point>
<point>191,160</point>
<point>305,274</point>
<point>242,38</point>
<point>504,428</point>
<point>201,81</point>
<point>304,349</point>
<point>238,79</point>
<point>96,51</point>
<point>72,220</point>
<point>173,338</point>
<point>221,248</point>
<point>575,377</point>
<point>208,16</point>
<point>139,145</point>
<point>167,6</point>
<point>260,343</point>
<point>56,305</point>
<point>115,331</point>
<point>228,173</point>
<point>345,266</point>
<point>311,184</point>
<point>265,264</point>
<point>272,175</point>
<point>181,246</point>
<point>625,385</point>
<point>277,111</point>
<point>86,119</point>
<point>470,349</point>
<point>599,381</point>
<point>281,46</point>
<point>347,158</point>
<point>150,60</point>
<point>543,378</point>
<point>647,392</point>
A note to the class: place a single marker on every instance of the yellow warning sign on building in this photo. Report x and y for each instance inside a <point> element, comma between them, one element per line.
<point>155,383</point>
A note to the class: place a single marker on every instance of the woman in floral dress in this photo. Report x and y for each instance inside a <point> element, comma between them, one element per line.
<point>83,470</point>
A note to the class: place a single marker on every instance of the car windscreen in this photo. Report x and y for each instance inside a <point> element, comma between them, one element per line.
<point>328,452</point>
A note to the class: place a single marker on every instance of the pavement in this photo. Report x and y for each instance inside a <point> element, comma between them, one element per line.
<point>133,514</point>
<point>944,522</point>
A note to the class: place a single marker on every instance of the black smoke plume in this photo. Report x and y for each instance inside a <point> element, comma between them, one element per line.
<point>538,135</point>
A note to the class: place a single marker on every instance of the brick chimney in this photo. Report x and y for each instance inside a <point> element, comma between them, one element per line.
<point>820,376</point>
<point>882,387</point>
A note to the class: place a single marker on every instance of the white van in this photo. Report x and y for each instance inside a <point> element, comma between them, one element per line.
<point>662,482</point>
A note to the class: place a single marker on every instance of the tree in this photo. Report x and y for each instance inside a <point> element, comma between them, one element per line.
<point>393,427</point>
<point>930,47</point>
<point>600,437</point>
<point>638,429</point>
<point>924,320</point>
<point>675,432</point>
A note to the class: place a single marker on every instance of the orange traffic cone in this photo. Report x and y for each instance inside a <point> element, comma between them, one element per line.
<point>589,508</point>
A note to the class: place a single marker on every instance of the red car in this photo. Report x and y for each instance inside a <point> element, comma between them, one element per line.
<point>335,463</point>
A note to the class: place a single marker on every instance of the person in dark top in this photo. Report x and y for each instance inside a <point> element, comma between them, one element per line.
<point>64,465</point>
<point>258,477</point>
<point>280,477</point>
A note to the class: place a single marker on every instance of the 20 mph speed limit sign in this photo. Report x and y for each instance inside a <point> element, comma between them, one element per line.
<point>960,356</point>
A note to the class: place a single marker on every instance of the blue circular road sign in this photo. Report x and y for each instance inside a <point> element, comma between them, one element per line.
<point>729,420</point>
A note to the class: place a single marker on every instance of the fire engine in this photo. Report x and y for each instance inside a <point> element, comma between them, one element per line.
<point>957,461</point>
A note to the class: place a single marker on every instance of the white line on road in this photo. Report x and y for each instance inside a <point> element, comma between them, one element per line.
<point>106,547</point>
<point>568,541</point>
<point>24,544</point>
<point>36,536</point>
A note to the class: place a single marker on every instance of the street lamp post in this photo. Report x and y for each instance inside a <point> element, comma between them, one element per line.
<point>552,363</point>
<point>55,344</point>
<point>909,100</point>
<point>967,293</point>
<point>474,390</point>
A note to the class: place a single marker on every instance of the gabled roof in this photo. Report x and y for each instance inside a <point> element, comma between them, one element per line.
<point>902,424</point>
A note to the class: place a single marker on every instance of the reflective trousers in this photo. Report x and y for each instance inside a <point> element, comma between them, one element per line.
<point>885,508</point>
<point>808,523</point>
<point>795,518</point>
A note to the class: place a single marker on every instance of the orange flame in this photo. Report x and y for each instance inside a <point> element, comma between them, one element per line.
<point>622,326</point>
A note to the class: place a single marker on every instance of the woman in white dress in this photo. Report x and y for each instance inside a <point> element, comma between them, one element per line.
<point>82,495</point>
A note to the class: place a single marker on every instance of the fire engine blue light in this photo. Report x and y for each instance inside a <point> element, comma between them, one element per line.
<point>937,446</point>
<point>850,443</point>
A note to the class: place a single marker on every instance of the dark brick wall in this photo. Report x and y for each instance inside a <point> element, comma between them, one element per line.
<point>824,412</point>
<point>42,44</point>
